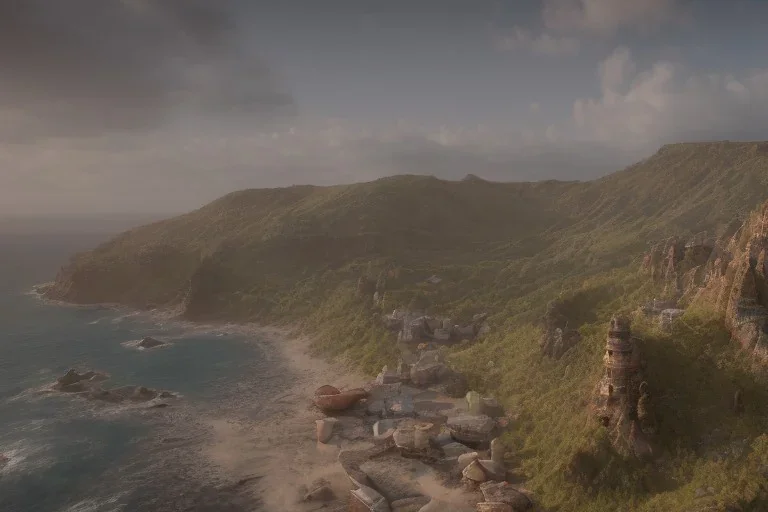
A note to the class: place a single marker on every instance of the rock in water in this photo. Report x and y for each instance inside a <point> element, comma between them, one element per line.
<point>150,342</point>
<point>73,381</point>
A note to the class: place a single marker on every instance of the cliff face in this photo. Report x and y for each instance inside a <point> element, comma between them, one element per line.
<point>729,275</point>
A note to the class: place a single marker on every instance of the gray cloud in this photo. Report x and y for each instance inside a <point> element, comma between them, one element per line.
<point>608,16</point>
<point>83,67</point>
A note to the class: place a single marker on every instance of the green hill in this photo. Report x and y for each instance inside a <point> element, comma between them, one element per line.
<point>295,255</point>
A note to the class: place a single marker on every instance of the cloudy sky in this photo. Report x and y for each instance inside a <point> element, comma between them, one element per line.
<point>163,105</point>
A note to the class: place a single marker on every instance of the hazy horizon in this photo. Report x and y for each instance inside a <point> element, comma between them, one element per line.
<point>165,105</point>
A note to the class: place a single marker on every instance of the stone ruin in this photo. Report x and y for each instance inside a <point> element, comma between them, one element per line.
<point>407,427</point>
<point>416,326</point>
<point>623,400</point>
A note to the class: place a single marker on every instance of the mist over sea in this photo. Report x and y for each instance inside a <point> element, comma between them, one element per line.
<point>66,453</point>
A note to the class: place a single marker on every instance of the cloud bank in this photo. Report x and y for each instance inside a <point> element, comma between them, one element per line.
<point>85,67</point>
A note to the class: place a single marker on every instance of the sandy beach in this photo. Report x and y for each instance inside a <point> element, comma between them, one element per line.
<point>280,446</point>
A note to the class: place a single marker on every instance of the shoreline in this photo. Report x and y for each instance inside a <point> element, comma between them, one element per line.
<point>274,444</point>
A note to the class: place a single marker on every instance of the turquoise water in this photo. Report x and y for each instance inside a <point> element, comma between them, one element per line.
<point>69,454</point>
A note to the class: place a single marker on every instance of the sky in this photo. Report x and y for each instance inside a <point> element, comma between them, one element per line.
<point>159,106</point>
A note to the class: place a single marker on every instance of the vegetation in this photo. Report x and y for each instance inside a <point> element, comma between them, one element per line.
<point>295,255</point>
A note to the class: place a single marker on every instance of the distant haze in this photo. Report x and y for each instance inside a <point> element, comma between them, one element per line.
<point>158,106</point>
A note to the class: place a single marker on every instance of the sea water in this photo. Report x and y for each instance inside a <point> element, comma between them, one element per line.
<point>66,453</point>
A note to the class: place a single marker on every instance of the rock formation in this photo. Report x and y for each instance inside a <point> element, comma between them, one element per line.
<point>557,338</point>
<point>729,274</point>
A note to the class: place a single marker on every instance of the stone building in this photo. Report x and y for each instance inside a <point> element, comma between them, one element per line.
<point>619,388</point>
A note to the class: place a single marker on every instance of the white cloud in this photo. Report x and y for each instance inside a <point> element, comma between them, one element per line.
<point>608,16</point>
<point>542,44</point>
<point>667,103</point>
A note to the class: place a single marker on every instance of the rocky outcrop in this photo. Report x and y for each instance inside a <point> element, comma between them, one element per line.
<point>557,338</point>
<point>729,274</point>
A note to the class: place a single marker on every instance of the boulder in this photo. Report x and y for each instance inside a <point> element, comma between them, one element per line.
<point>493,470</point>
<point>413,504</point>
<point>503,492</point>
<point>150,342</point>
<point>366,499</point>
<point>454,450</point>
<point>474,472</point>
<point>471,429</point>
<point>325,429</point>
<point>466,459</point>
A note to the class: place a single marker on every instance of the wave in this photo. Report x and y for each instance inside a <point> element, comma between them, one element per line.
<point>110,504</point>
<point>24,456</point>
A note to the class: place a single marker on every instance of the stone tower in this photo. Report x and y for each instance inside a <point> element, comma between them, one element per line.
<point>619,387</point>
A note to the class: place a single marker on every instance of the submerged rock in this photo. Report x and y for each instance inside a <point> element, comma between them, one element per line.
<point>150,342</point>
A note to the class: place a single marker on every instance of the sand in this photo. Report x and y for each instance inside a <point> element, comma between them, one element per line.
<point>282,449</point>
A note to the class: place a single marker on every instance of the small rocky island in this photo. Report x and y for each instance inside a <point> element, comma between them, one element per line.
<point>87,385</point>
<point>150,342</point>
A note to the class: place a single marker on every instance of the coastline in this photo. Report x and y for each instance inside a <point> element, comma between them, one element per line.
<point>272,445</point>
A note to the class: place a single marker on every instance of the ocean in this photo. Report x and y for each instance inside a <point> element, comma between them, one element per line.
<point>65,453</point>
